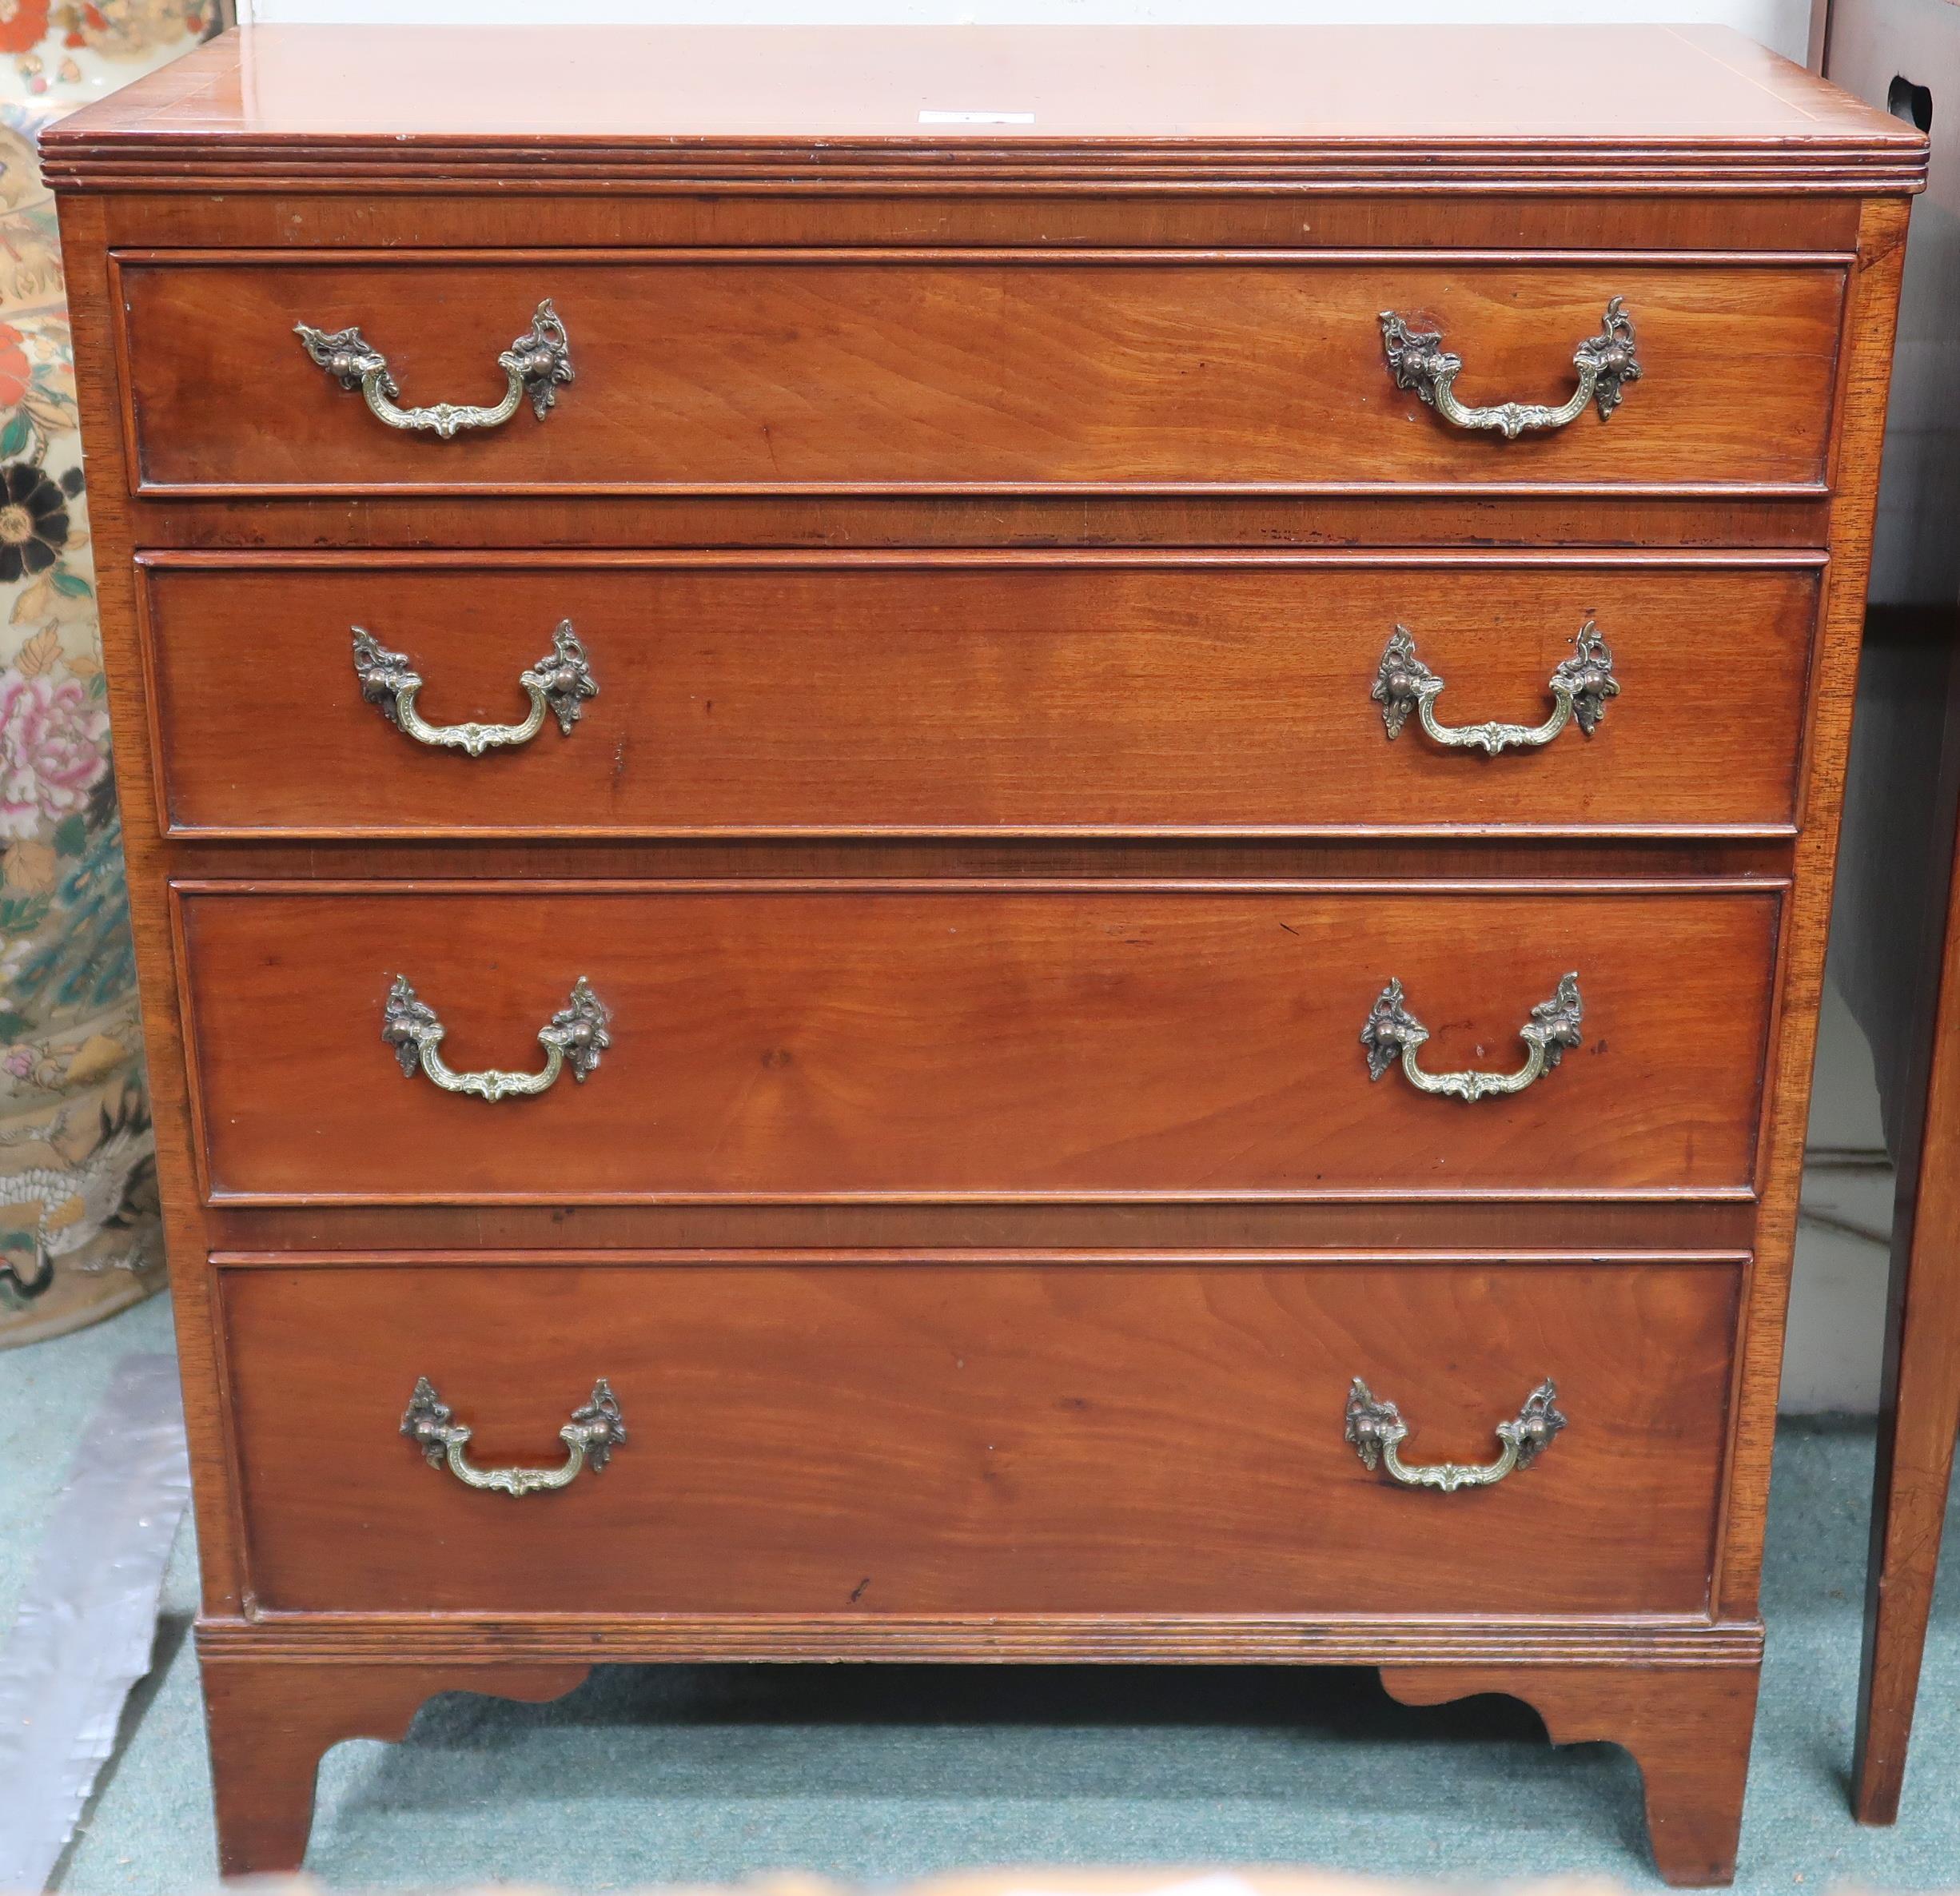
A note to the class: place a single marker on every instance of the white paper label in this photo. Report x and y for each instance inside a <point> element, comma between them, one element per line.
<point>976,119</point>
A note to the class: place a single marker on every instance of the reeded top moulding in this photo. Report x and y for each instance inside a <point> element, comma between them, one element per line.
<point>1365,107</point>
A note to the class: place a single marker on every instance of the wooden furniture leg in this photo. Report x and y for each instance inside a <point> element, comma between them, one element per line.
<point>1688,1727</point>
<point>1919,1404</point>
<point>271,1722</point>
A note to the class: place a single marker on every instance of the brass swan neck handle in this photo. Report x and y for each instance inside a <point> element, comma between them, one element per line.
<point>596,1429</point>
<point>1580,686</point>
<point>576,1035</point>
<point>1606,362</point>
<point>1392,1033</point>
<point>559,683</point>
<point>537,365</point>
<point>1376,1431</point>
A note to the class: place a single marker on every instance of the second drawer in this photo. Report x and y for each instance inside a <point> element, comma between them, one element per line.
<point>1047,1041</point>
<point>955,693</point>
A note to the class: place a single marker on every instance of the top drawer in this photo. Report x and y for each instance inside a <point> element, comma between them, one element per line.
<point>908,371</point>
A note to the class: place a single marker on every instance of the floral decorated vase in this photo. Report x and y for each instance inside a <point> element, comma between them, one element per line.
<point>79,1235</point>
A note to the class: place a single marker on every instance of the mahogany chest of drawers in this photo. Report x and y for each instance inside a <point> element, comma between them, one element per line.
<point>1143,729</point>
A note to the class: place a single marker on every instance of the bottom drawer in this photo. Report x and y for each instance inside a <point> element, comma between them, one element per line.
<point>951,1437</point>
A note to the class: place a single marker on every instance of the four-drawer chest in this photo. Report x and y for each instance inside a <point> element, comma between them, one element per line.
<point>982,844</point>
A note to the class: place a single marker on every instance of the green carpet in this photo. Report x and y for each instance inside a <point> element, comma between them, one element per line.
<point>874,1773</point>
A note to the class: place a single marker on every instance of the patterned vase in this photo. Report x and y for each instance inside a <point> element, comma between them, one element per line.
<point>79,1235</point>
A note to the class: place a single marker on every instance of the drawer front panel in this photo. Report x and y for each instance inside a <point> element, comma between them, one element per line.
<point>1011,694</point>
<point>985,371</point>
<point>906,1040</point>
<point>983,1438</point>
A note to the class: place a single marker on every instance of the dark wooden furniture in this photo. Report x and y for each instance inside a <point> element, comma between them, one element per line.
<point>1904,980</point>
<point>1006,931</point>
<point>1919,1404</point>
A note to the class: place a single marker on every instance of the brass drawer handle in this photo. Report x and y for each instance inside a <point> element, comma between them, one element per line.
<point>1376,1431</point>
<point>590,1437</point>
<point>576,1034</point>
<point>538,364</point>
<point>1580,686</point>
<point>558,683</point>
<point>1393,1033</point>
<point>1605,364</point>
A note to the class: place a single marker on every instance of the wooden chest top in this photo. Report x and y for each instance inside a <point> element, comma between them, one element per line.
<point>1365,107</point>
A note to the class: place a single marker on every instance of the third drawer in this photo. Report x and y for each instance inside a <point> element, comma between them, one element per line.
<point>1042,1041</point>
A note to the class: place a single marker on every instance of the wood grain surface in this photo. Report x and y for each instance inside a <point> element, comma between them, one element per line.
<point>896,370</point>
<point>927,1040</point>
<point>1202,212</point>
<point>979,1437</point>
<point>1871,320</point>
<point>916,693</point>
